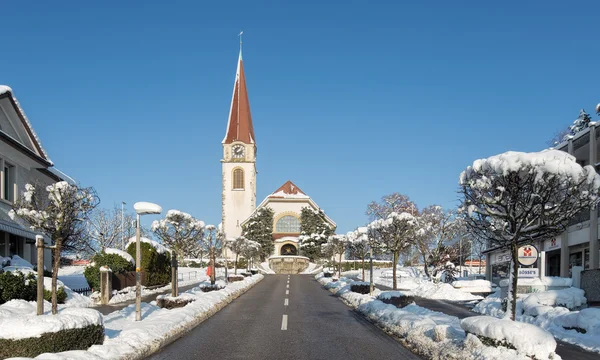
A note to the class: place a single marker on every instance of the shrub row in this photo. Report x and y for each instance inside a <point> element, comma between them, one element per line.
<point>172,304</point>
<point>64,340</point>
<point>16,285</point>
<point>397,301</point>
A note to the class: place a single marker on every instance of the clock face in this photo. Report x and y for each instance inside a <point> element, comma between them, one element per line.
<point>238,151</point>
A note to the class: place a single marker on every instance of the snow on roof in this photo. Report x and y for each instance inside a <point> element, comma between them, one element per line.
<point>160,248</point>
<point>289,190</point>
<point>62,175</point>
<point>6,89</point>
<point>121,253</point>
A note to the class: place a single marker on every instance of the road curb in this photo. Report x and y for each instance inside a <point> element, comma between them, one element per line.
<point>181,331</point>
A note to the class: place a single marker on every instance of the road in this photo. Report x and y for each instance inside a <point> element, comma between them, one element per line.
<point>262,324</point>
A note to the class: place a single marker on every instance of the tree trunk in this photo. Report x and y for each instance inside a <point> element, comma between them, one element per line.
<point>213,276</point>
<point>55,266</point>
<point>340,267</point>
<point>425,267</point>
<point>511,306</point>
<point>235,264</point>
<point>394,265</point>
<point>363,268</point>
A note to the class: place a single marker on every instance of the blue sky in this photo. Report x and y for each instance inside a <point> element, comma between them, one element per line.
<point>351,100</point>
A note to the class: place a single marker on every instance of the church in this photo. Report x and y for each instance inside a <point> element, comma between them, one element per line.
<point>239,179</point>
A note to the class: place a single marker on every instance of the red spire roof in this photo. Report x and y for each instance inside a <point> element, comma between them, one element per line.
<point>239,126</point>
<point>289,190</point>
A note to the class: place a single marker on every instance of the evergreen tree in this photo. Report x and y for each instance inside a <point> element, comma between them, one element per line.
<point>314,232</point>
<point>581,123</point>
<point>260,229</point>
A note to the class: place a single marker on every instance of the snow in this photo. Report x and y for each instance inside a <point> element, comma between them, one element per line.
<point>287,257</point>
<point>472,286</point>
<point>18,319</point>
<point>433,335</point>
<point>4,89</point>
<point>285,195</point>
<point>312,268</point>
<point>526,338</point>
<point>72,276</point>
<point>160,248</point>
<point>20,262</point>
<point>547,281</point>
<point>570,298</point>
<point>121,253</point>
<point>264,267</point>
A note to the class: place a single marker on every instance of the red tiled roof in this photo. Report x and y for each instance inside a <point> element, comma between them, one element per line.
<point>289,188</point>
<point>239,126</point>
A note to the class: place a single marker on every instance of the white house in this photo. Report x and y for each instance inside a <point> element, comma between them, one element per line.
<point>22,160</point>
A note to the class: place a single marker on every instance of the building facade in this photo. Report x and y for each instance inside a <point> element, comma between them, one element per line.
<point>578,245</point>
<point>23,160</point>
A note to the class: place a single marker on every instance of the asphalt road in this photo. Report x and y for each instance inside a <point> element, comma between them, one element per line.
<point>259,325</point>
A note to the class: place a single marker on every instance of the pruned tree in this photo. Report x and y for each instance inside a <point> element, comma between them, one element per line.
<point>515,198</point>
<point>214,238</point>
<point>396,233</point>
<point>237,246</point>
<point>59,213</point>
<point>359,246</point>
<point>436,229</point>
<point>337,245</point>
<point>250,251</point>
<point>179,231</point>
<point>109,227</point>
<point>314,232</point>
<point>260,229</point>
<point>394,202</point>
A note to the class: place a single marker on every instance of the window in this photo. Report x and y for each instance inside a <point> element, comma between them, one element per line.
<point>288,224</point>
<point>8,181</point>
<point>238,179</point>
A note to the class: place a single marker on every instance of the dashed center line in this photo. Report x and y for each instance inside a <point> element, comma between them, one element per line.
<point>286,302</point>
<point>287,292</point>
<point>284,323</point>
<point>288,286</point>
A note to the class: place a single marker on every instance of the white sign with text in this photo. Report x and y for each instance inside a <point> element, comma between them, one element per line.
<point>528,272</point>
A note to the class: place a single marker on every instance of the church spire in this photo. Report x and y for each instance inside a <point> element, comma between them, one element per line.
<point>239,126</point>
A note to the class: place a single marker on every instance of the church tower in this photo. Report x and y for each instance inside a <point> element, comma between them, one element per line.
<point>239,159</point>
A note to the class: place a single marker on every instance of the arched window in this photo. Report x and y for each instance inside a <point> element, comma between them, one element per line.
<point>238,179</point>
<point>288,224</point>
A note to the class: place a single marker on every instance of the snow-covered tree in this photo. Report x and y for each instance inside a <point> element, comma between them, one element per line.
<point>390,203</point>
<point>396,233</point>
<point>337,245</point>
<point>581,123</point>
<point>436,229</point>
<point>260,229</point>
<point>250,251</point>
<point>213,241</point>
<point>237,246</point>
<point>515,198</point>
<point>58,213</point>
<point>359,247</point>
<point>314,232</point>
<point>179,231</point>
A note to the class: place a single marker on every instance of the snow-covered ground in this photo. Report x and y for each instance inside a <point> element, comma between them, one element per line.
<point>408,280</point>
<point>432,334</point>
<point>127,338</point>
<point>544,310</point>
<point>72,276</point>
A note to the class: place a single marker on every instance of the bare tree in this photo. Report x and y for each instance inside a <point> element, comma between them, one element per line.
<point>360,247</point>
<point>108,227</point>
<point>436,228</point>
<point>390,203</point>
<point>250,250</point>
<point>516,198</point>
<point>58,213</point>
<point>180,231</point>
<point>337,245</point>
<point>396,233</point>
<point>237,246</point>
<point>213,241</point>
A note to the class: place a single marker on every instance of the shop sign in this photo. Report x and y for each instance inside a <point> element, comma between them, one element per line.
<point>528,272</point>
<point>552,244</point>
<point>500,257</point>
<point>528,255</point>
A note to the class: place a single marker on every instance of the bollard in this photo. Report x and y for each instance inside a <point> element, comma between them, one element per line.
<point>39,244</point>
<point>174,278</point>
<point>105,284</point>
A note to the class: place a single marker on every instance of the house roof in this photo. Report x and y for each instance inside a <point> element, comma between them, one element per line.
<point>239,125</point>
<point>6,91</point>
<point>289,190</point>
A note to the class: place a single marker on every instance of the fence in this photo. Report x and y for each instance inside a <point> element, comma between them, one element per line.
<point>83,291</point>
<point>187,276</point>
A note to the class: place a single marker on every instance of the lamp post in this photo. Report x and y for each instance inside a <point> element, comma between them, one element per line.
<point>122,226</point>
<point>141,208</point>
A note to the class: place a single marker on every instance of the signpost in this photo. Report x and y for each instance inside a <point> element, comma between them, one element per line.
<point>527,255</point>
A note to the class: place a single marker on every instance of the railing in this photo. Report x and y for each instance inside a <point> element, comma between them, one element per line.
<point>187,276</point>
<point>83,291</point>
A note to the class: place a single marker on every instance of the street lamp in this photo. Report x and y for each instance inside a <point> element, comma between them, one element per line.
<point>141,208</point>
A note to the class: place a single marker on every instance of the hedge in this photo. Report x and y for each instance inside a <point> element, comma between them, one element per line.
<point>115,262</point>
<point>63,340</point>
<point>156,265</point>
<point>16,285</point>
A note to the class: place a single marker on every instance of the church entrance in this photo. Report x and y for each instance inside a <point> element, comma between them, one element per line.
<point>289,249</point>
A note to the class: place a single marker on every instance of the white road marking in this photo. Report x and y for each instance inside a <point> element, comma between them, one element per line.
<point>284,323</point>
<point>287,292</point>
<point>286,302</point>
<point>288,286</point>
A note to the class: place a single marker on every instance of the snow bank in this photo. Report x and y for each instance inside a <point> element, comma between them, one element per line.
<point>471,286</point>
<point>20,262</point>
<point>121,253</point>
<point>265,268</point>
<point>433,335</point>
<point>570,298</point>
<point>547,281</point>
<point>528,339</point>
<point>443,291</point>
<point>18,319</point>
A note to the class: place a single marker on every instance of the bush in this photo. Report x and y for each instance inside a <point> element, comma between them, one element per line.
<point>327,274</point>
<point>234,278</point>
<point>397,301</point>
<point>195,264</point>
<point>361,289</point>
<point>16,285</point>
<point>241,263</point>
<point>115,262</point>
<point>64,340</point>
<point>157,266</point>
<point>209,288</point>
<point>163,303</point>
<point>61,295</point>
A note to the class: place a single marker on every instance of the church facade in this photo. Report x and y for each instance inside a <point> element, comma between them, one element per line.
<point>239,179</point>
